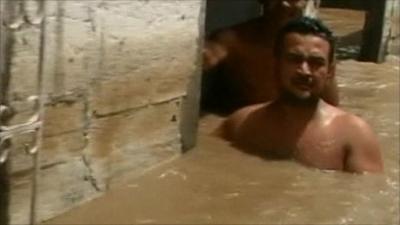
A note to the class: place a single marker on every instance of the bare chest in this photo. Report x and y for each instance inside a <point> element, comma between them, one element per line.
<point>251,66</point>
<point>313,145</point>
<point>319,148</point>
<point>251,60</point>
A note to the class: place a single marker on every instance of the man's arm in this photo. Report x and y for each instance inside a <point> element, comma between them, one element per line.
<point>363,152</point>
<point>216,47</point>
<point>213,54</point>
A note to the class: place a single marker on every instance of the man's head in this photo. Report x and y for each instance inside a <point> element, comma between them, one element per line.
<point>305,25</point>
<point>304,52</point>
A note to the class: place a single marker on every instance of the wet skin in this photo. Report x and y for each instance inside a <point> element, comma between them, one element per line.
<point>245,55</point>
<point>301,126</point>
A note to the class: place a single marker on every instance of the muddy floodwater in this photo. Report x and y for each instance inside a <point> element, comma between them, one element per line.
<point>217,184</point>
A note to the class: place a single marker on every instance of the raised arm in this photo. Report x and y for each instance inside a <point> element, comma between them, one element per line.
<point>363,152</point>
<point>213,54</point>
<point>216,47</point>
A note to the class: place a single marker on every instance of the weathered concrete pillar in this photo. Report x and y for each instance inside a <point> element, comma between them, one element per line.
<point>394,43</point>
<point>6,46</point>
<point>191,102</point>
<point>121,86</point>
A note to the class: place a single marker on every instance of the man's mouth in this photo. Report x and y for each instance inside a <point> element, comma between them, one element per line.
<point>303,82</point>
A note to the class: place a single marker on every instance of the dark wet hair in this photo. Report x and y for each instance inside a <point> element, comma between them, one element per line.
<point>306,25</point>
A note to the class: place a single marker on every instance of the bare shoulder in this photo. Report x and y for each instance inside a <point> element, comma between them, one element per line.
<point>354,124</point>
<point>232,124</point>
<point>349,126</point>
<point>363,152</point>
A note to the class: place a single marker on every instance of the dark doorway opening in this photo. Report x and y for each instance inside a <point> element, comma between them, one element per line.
<point>221,14</point>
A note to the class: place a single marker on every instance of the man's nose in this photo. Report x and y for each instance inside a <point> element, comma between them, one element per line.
<point>304,68</point>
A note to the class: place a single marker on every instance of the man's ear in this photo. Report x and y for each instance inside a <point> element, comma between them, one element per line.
<point>276,68</point>
<point>275,62</point>
<point>332,70</point>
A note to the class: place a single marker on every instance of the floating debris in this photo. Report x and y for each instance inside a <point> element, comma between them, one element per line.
<point>173,172</point>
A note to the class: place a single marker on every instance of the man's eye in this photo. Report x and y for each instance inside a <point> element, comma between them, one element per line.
<point>317,62</point>
<point>295,58</point>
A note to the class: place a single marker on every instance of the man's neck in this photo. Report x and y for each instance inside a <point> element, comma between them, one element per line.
<point>298,109</point>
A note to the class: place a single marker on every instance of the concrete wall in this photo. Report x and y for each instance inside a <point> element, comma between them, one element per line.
<point>394,20</point>
<point>121,80</point>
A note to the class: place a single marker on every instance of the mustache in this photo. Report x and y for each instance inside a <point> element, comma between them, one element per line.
<point>304,79</point>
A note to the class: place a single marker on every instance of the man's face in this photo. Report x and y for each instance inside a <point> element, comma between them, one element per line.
<point>303,67</point>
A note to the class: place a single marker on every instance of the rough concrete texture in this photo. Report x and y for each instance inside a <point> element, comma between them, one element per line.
<point>394,42</point>
<point>115,76</point>
<point>120,142</point>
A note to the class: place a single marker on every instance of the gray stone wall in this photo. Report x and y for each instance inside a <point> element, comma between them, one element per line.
<point>394,20</point>
<point>116,77</point>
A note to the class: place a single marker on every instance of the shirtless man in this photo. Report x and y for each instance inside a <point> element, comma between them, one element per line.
<point>298,124</point>
<point>238,60</point>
